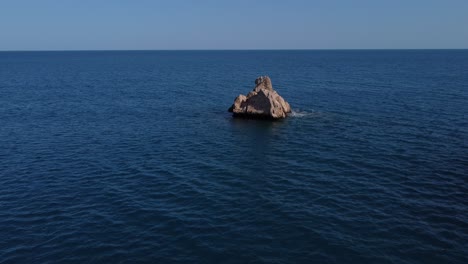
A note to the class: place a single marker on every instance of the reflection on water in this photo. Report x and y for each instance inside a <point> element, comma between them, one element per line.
<point>259,137</point>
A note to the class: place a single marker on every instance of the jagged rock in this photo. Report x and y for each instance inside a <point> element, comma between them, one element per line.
<point>262,102</point>
<point>238,102</point>
<point>263,82</point>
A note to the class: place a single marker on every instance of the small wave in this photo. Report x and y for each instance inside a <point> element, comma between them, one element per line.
<point>299,113</point>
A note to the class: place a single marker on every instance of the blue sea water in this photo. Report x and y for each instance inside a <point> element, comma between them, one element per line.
<point>131,156</point>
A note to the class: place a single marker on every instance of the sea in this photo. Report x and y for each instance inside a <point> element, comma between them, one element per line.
<point>132,157</point>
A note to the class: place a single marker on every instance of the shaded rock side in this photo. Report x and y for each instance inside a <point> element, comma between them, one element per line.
<point>262,102</point>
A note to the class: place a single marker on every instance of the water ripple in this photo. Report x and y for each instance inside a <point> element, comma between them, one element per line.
<point>111,157</point>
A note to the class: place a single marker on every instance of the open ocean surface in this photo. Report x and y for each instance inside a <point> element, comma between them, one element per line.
<point>131,156</point>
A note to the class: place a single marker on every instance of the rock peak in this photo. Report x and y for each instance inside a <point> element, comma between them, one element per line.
<point>262,102</point>
<point>263,82</point>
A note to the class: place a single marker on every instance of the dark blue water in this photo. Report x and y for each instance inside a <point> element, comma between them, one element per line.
<point>109,157</point>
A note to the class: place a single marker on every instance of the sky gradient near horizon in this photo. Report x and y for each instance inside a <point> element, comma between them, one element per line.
<point>240,24</point>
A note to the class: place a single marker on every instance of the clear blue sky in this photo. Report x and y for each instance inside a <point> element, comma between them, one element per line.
<point>234,24</point>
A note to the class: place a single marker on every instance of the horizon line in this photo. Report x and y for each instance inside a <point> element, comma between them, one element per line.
<point>316,49</point>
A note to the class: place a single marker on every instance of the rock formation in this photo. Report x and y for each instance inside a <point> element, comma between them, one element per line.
<point>262,102</point>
